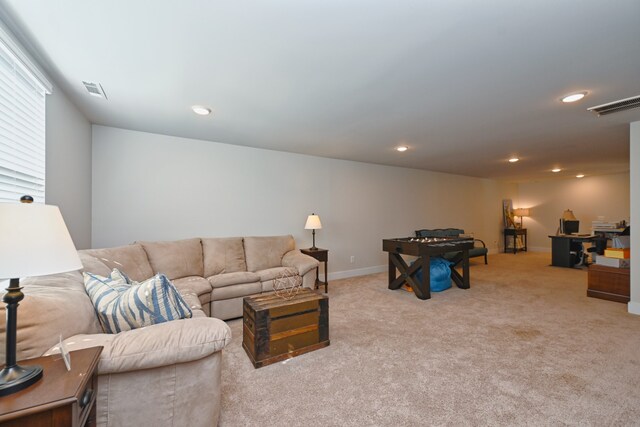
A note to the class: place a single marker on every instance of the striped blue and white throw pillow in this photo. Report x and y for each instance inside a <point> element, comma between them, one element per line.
<point>123,305</point>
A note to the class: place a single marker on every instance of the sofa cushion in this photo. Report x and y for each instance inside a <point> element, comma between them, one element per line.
<point>123,306</point>
<point>176,259</point>
<point>194,303</point>
<point>237,278</point>
<point>272,273</point>
<point>130,259</point>
<point>235,291</point>
<point>288,282</point>
<point>53,305</point>
<point>266,252</point>
<point>93,264</point>
<point>223,255</point>
<point>196,285</point>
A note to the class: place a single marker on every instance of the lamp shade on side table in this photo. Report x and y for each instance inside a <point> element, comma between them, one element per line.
<point>34,241</point>
<point>313,223</point>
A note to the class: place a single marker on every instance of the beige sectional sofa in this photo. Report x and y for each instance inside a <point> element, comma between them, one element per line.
<point>220,271</point>
<point>168,373</point>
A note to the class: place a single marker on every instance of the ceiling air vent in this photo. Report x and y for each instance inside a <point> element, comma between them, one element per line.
<point>615,106</point>
<point>95,89</point>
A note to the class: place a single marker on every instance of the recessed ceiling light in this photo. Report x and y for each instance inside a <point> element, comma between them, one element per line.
<point>402,148</point>
<point>556,170</point>
<point>573,97</point>
<point>200,110</point>
<point>513,159</point>
<point>580,175</point>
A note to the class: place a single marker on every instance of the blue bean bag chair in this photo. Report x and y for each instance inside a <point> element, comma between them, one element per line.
<point>440,272</point>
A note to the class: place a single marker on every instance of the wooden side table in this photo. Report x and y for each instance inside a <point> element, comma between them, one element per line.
<point>60,398</point>
<point>515,232</point>
<point>321,255</point>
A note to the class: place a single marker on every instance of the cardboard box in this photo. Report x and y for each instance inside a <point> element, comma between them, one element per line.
<point>620,253</point>
<point>613,262</point>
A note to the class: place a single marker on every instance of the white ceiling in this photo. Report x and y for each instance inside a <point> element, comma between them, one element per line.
<point>465,84</point>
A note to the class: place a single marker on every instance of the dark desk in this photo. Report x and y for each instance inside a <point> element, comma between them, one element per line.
<point>564,248</point>
<point>424,248</point>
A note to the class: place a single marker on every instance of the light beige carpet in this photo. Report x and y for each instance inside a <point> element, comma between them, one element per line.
<point>523,346</point>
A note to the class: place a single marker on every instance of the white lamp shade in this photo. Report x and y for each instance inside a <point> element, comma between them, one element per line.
<point>34,241</point>
<point>521,212</point>
<point>313,222</point>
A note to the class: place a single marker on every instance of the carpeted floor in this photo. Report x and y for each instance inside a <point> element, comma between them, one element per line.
<point>523,346</point>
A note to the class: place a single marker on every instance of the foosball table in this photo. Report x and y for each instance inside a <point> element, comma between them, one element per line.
<point>424,249</point>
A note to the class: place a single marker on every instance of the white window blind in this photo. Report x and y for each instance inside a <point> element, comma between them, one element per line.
<point>22,131</point>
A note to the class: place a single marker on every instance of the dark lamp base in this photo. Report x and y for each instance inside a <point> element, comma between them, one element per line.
<point>18,378</point>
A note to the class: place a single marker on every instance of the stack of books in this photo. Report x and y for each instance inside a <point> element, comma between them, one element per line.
<point>615,257</point>
<point>603,225</point>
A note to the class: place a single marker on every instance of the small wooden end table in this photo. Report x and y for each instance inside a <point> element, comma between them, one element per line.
<point>61,397</point>
<point>321,255</point>
<point>515,232</point>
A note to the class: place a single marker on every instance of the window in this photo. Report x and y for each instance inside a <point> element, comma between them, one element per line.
<point>22,127</point>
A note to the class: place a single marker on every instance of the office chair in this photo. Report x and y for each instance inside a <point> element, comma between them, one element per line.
<point>598,248</point>
<point>578,254</point>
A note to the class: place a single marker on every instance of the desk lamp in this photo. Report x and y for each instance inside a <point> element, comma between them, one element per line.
<point>521,212</point>
<point>34,241</point>
<point>313,223</point>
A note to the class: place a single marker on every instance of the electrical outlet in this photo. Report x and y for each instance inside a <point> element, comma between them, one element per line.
<point>352,259</point>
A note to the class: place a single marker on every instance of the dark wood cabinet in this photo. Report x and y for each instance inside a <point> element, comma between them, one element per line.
<point>61,398</point>
<point>321,255</point>
<point>608,283</point>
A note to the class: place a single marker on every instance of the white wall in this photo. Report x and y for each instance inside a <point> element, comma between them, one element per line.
<point>155,187</point>
<point>634,143</point>
<point>589,197</point>
<point>68,167</point>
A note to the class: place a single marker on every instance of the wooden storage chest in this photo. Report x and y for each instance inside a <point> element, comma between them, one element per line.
<point>608,283</point>
<point>275,329</point>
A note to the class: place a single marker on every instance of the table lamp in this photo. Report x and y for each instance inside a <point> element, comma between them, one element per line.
<point>568,215</point>
<point>521,212</point>
<point>34,241</point>
<point>313,223</point>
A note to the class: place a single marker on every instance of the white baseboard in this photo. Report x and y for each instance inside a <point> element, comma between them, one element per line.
<point>633,307</point>
<point>336,275</point>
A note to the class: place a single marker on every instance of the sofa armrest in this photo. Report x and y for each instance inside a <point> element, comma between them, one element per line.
<point>164,344</point>
<point>303,263</point>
